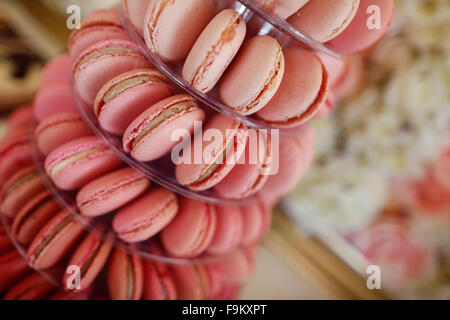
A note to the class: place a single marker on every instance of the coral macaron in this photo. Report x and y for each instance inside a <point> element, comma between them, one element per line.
<point>149,136</point>
<point>126,96</point>
<point>80,161</point>
<point>111,191</point>
<point>146,216</point>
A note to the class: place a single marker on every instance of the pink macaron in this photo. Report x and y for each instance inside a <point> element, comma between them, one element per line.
<point>364,30</point>
<point>302,91</point>
<point>254,223</point>
<point>21,117</point>
<point>146,216</point>
<point>283,8</point>
<point>99,25</point>
<point>33,217</point>
<point>59,129</point>
<point>327,106</point>
<point>15,193</point>
<point>351,78</point>
<point>33,287</point>
<point>126,96</point>
<point>172,27</point>
<point>103,61</point>
<point>135,11</point>
<point>228,231</point>
<point>239,266</point>
<point>57,71</point>
<point>214,50</point>
<point>191,231</point>
<point>149,136</point>
<point>5,242</point>
<point>254,76</point>
<point>111,191</point>
<point>12,267</point>
<point>125,275</point>
<point>54,241</point>
<point>324,20</point>
<point>53,99</point>
<point>191,280</point>
<point>218,157</point>
<point>80,161</point>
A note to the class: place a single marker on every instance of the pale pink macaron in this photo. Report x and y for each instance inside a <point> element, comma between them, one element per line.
<point>58,129</point>
<point>98,26</point>
<point>302,91</point>
<point>103,61</point>
<point>191,281</point>
<point>214,50</point>
<point>254,76</point>
<point>364,29</point>
<point>78,162</point>
<point>57,71</point>
<point>111,191</point>
<point>252,171</point>
<point>283,8</point>
<point>172,27</point>
<point>126,96</point>
<point>146,216</point>
<point>53,99</point>
<point>135,11</point>
<point>21,117</point>
<point>228,232</point>
<point>149,136</point>
<point>192,230</point>
<point>255,222</point>
<point>324,20</point>
<point>218,157</point>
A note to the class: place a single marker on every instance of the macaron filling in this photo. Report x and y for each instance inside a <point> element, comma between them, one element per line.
<point>32,212</point>
<point>103,52</point>
<point>20,181</point>
<point>90,259</point>
<point>130,277</point>
<point>52,235</point>
<point>78,156</point>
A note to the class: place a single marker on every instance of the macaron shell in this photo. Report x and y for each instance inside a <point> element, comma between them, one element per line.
<point>350,80</point>
<point>214,50</point>
<point>125,276</point>
<point>59,129</point>
<point>117,114</point>
<point>172,27</point>
<point>111,192</point>
<point>252,223</point>
<point>254,76</point>
<point>191,231</point>
<point>216,279</point>
<point>91,75</point>
<point>56,71</point>
<point>357,36</point>
<point>21,117</point>
<point>146,216</point>
<point>238,266</point>
<point>324,20</point>
<point>335,67</point>
<point>135,11</point>
<point>33,217</point>
<point>53,99</point>
<point>12,267</point>
<point>327,106</point>
<point>158,282</point>
<point>228,231</point>
<point>283,8</point>
<point>33,287</point>
<point>191,281</point>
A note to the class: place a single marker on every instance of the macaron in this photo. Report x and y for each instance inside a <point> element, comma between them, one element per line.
<point>18,189</point>
<point>358,36</point>
<point>351,78</point>
<point>53,99</point>
<point>33,287</point>
<point>327,106</point>
<point>67,296</point>
<point>90,256</point>
<point>283,8</point>
<point>21,117</point>
<point>216,279</point>
<point>125,275</point>
<point>146,216</point>
<point>78,162</point>
<point>59,129</point>
<point>54,241</point>
<point>57,71</point>
<point>103,61</point>
<point>135,11</point>
<point>5,242</point>
<point>324,20</point>
<point>218,157</point>
<point>15,153</point>
<point>149,136</point>
<point>191,281</point>
<point>99,25</point>
<point>254,76</point>
<point>172,27</point>
<point>111,191</point>
<point>239,266</point>
<point>126,96</point>
<point>252,171</point>
<point>302,91</point>
<point>228,231</point>
<point>191,231</point>
<point>12,267</point>
<point>214,50</point>
<point>158,281</point>
<point>33,217</point>
<point>254,223</point>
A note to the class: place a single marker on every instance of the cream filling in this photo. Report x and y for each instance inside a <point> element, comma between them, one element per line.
<point>22,180</point>
<point>166,114</point>
<point>130,276</point>
<point>64,163</point>
<point>53,234</point>
<point>105,51</point>
<point>129,83</point>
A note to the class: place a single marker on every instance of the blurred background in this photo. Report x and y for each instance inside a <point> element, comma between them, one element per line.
<point>379,190</point>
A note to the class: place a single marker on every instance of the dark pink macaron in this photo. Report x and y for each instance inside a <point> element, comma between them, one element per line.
<point>12,267</point>
<point>33,287</point>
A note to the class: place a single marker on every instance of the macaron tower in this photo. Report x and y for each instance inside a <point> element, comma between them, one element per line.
<point>110,184</point>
